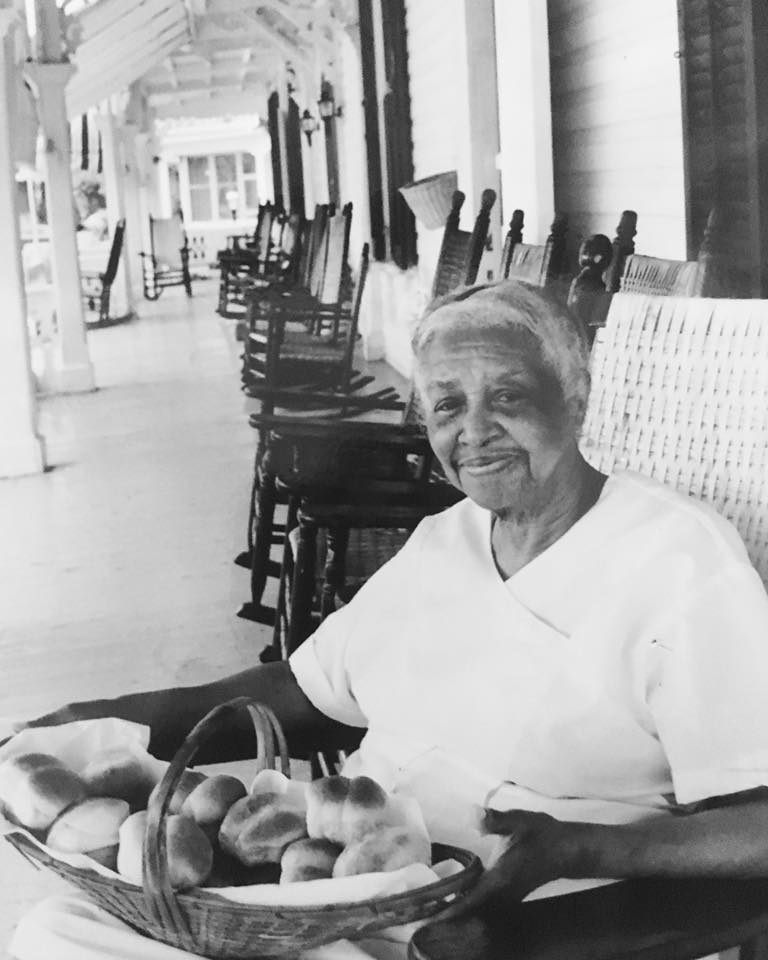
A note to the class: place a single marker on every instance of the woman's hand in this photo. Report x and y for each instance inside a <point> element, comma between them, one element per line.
<point>537,847</point>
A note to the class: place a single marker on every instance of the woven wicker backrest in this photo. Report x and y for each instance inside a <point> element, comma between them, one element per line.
<point>673,278</point>
<point>461,250</point>
<point>337,249</point>
<point>168,238</point>
<point>680,393</point>
<point>528,263</point>
<point>263,232</point>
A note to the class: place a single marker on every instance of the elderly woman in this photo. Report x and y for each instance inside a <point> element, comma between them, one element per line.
<point>585,655</point>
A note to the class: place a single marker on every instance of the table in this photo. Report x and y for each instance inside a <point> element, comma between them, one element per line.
<point>647,920</point>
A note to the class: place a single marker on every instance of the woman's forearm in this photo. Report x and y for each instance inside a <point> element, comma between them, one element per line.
<point>171,714</point>
<point>726,842</point>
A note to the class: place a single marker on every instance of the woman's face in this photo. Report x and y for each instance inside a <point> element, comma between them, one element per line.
<point>496,418</point>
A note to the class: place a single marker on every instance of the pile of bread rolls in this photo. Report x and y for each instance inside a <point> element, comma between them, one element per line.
<point>217,832</point>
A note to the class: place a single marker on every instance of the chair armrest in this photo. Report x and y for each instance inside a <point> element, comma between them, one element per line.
<point>405,508</point>
<point>411,436</point>
<point>641,920</point>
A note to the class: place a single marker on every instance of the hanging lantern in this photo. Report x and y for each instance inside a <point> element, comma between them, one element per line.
<point>25,127</point>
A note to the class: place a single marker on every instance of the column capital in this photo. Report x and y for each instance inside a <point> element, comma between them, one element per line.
<point>45,76</point>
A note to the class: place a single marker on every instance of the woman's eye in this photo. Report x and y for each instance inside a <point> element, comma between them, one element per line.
<point>446,405</point>
<point>509,396</point>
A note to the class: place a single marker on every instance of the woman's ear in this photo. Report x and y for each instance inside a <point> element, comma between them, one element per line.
<point>577,401</point>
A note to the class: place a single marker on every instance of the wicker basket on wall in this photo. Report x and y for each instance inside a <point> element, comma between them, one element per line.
<point>430,198</point>
<point>209,925</point>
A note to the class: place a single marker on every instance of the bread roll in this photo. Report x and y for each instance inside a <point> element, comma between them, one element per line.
<point>189,780</point>
<point>258,829</point>
<point>344,810</point>
<point>88,826</point>
<point>210,800</point>
<point>118,773</point>
<point>36,788</point>
<point>308,860</point>
<point>190,855</point>
<point>388,849</point>
<point>325,808</point>
<point>367,809</point>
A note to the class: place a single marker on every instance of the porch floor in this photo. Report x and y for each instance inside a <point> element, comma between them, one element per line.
<point>116,571</point>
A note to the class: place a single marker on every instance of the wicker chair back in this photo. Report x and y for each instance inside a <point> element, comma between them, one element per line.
<point>680,393</point>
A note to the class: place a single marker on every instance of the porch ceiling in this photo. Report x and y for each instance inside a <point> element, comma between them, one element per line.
<point>237,50</point>
<point>117,41</point>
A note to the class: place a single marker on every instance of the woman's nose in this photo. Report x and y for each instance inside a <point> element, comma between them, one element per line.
<point>478,426</point>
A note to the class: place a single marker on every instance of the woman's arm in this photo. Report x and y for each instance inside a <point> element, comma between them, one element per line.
<point>172,713</point>
<point>729,841</point>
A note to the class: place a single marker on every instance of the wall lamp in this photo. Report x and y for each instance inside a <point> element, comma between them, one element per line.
<point>326,106</point>
<point>308,126</point>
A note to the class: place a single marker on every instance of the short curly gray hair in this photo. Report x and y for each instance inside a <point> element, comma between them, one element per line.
<point>509,306</point>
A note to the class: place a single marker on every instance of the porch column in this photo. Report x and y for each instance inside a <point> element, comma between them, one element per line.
<point>73,370</point>
<point>482,112</point>
<point>525,114</point>
<point>21,448</point>
<point>114,189</point>
<point>134,213</point>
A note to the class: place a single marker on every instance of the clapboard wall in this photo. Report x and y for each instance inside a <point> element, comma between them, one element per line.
<point>726,118</point>
<point>617,128</point>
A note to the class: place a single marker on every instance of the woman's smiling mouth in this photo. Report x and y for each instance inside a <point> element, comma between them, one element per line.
<point>488,463</point>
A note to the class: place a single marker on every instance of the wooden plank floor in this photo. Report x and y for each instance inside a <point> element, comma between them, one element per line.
<point>116,567</point>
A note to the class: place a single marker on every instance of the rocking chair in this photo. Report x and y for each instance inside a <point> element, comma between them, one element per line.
<point>381,498</point>
<point>167,263</point>
<point>97,287</point>
<point>541,265</point>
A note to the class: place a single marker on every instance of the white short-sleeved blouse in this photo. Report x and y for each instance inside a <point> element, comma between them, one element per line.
<point>622,670</point>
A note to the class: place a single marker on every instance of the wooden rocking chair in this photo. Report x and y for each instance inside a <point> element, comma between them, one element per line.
<point>371,502</point>
<point>167,263</point>
<point>541,265</point>
<point>97,287</point>
<point>609,267</point>
<point>460,252</point>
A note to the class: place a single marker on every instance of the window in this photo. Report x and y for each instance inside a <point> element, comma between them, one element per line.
<point>199,188</point>
<point>211,181</point>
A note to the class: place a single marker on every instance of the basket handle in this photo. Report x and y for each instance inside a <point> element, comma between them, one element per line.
<point>270,744</point>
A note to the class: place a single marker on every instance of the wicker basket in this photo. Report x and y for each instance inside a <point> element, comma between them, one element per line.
<point>430,198</point>
<point>209,925</point>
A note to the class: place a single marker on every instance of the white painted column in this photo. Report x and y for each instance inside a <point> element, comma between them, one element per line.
<point>134,213</point>
<point>525,114</point>
<point>73,368</point>
<point>264,176</point>
<point>162,189</point>
<point>21,448</point>
<point>483,116</point>
<point>114,190</point>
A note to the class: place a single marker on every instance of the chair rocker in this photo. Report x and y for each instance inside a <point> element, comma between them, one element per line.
<point>167,263</point>
<point>97,287</point>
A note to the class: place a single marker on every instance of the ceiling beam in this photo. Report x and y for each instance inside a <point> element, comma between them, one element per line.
<point>129,35</point>
<point>104,14</point>
<point>92,88</point>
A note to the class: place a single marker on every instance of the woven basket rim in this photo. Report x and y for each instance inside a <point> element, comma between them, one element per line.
<point>440,888</point>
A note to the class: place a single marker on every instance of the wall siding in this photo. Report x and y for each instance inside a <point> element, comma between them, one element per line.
<point>617,119</point>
